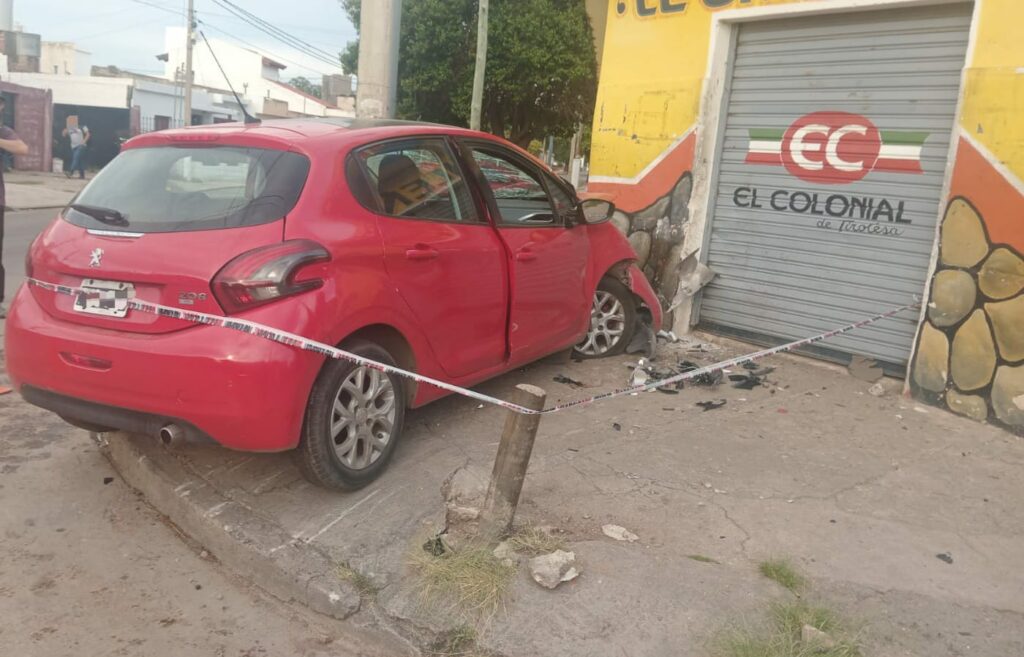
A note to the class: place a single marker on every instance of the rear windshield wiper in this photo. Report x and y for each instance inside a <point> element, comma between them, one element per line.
<point>108,216</point>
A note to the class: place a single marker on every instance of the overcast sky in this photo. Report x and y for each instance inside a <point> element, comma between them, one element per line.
<point>130,33</point>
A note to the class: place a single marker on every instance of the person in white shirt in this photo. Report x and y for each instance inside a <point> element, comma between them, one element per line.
<point>79,136</point>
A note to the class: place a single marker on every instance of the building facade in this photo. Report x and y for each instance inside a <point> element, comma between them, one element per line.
<point>830,160</point>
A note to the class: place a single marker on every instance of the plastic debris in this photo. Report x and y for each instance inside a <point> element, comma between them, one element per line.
<point>711,405</point>
<point>561,378</point>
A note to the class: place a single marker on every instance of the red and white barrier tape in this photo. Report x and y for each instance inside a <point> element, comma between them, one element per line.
<point>299,342</point>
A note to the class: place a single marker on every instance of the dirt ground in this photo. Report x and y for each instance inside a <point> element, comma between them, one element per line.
<point>862,493</point>
<point>87,568</point>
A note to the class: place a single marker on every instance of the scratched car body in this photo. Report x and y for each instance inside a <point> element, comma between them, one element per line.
<point>446,252</point>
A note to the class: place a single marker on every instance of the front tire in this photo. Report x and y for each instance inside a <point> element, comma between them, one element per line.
<point>612,321</point>
<point>353,421</point>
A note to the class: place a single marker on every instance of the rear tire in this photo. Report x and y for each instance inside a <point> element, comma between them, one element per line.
<point>612,321</point>
<point>353,421</point>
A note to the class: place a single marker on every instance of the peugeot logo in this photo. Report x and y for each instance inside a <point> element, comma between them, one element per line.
<point>95,257</point>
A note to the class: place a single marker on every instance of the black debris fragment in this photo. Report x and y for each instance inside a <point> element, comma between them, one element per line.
<point>616,426</point>
<point>706,379</point>
<point>107,480</point>
<point>434,546</point>
<point>561,378</point>
<point>711,405</point>
<point>745,381</point>
<point>945,556</point>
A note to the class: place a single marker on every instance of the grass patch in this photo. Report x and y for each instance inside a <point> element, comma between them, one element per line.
<point>532,541</point>
<point>458,642</point>
<point>471,579</point>
<point>364,585</point>
<point>782,572</point>
<point>782,635</point>
<point>701,558</point>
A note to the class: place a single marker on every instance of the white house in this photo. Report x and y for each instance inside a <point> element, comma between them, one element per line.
<point>63,58</point>
<point>254,75</point>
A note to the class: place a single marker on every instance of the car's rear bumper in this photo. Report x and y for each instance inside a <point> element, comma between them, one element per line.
<point>242,391</point>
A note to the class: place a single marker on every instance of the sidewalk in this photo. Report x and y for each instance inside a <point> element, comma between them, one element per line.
<point>34,190</point>
<point>906,519</point>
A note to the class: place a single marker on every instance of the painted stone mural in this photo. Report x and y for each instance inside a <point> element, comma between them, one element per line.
<point>657,234</point>
<point>970,354</point>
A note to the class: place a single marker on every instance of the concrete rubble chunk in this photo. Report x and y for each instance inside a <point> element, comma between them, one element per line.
<point>964,243</point>
<point>953,297</point>
<point>1008,395</point>
<point>931,365</point>
<point>463,492</point>
<point>877,390</point>
<point>812,636</point>
<point>619,533</point>
<point>972,406</point>
<point>1002,275</point>
<point>550,570</point>
<point>974,353</point>
<point>641,243</point>
<point>1008,323</point>
<point>506,554</point>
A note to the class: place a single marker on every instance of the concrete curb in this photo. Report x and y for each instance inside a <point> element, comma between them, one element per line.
<point>246,543</point>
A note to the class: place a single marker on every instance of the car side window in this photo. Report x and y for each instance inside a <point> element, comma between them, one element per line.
<point>519,194</point>
<point>417,179</point>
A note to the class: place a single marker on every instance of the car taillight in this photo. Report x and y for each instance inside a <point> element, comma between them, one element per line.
<point>267,274</point>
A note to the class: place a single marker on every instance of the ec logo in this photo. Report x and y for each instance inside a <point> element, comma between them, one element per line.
<point>836,148</point>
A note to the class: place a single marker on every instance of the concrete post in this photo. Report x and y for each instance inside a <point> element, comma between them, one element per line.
<point>379,33</point>
<point>6,15</point>
<point>511,463</point>
<point>189,42</point>
<point>479,72</point>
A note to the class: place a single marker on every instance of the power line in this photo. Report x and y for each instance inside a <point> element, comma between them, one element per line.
<point>230,6</point>
<point>294,42</point>
<point>255,47</point>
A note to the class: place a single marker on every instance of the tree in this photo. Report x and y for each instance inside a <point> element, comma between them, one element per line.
<point>304,85</point>
<point>541,67</point>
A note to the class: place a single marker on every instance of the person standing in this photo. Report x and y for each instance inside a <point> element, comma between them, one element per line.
<point>11,143</point>
<point>79,136</point>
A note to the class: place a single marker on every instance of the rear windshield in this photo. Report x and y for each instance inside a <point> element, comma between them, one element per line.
<point>170,188</point>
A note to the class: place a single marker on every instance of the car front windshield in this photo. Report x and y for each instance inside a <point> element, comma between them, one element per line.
<point>180,188</point>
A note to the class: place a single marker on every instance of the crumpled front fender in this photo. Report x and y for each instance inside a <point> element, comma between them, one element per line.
<point>641,287</point>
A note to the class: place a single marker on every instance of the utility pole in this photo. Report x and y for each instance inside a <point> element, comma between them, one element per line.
<point>379,31</point>
<point>190,37</point>
<point>476,107</point>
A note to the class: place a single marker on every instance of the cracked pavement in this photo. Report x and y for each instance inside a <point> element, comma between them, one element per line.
<point>861,493</point>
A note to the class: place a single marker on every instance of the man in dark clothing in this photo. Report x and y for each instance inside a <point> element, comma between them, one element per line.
<point>9,142</point>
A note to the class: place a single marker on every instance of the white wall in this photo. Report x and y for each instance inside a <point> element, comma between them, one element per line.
<point>244,69</point>
<point>63,58</point>
<point>79,90</point>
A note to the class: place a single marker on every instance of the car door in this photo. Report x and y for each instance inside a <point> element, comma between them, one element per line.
<point>550,307</point>
<point>445,259</point>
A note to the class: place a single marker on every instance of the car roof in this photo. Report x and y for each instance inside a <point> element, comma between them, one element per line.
<point>304,130</point>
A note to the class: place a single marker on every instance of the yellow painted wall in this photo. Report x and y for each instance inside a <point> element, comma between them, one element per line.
<point>652,77</point>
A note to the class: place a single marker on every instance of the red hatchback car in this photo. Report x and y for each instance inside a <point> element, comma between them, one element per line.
<point>444,251</point>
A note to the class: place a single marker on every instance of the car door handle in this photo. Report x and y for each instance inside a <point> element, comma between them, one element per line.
<point>421,252</point>
<point>525,254</point>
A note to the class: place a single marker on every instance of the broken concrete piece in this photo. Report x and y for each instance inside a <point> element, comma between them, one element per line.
<point>550,570</point>
<point>693,275</point>
<point>877,390</point>
<point>619,533</point>
<point>467,484</point>
<point>812,636</point>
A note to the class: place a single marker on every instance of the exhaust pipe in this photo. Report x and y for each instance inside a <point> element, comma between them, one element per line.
<point>172,435</point>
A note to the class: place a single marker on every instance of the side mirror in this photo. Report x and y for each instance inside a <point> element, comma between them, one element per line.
<point>596,211</point>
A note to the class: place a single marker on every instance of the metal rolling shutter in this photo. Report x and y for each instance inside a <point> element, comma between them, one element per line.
<point>782,276</point>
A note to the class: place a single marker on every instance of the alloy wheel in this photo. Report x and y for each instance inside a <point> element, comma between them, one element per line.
<point>607,325</point>
<point>363,417</point>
